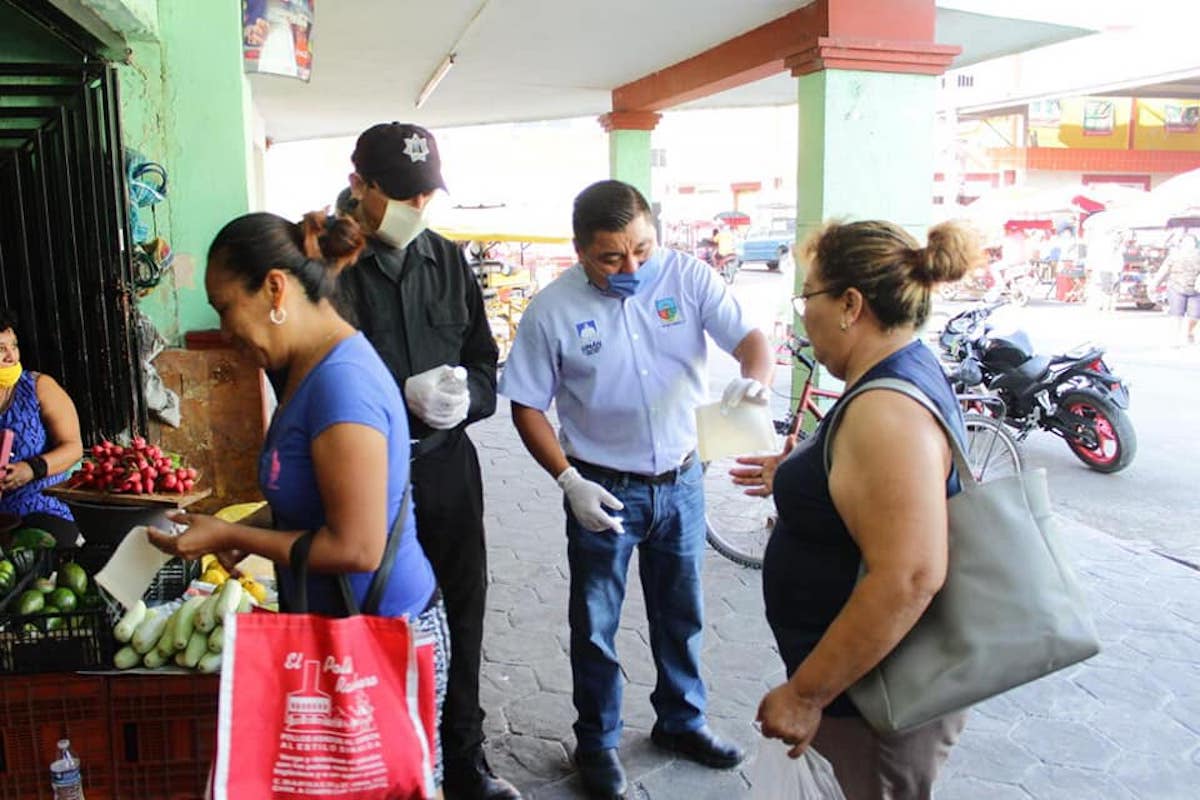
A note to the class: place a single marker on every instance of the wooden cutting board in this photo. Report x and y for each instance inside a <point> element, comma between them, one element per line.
<point>163,499</point>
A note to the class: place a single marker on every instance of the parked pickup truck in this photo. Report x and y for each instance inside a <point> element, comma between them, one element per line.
<point>768,243</point>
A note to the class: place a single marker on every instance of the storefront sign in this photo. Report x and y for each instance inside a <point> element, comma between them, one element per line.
<point>277,37</point>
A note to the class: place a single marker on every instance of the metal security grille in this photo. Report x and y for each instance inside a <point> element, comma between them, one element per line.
<point>64,265</point>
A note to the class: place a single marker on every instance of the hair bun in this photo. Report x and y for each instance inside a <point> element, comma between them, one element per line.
<point>952,249</point>
<point>335,240</point>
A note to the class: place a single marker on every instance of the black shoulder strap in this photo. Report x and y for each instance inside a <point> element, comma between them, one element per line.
<point>380,581</point>
<point>299,565</point>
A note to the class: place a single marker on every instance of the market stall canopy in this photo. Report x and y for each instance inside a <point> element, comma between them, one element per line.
<point>504,224</point>
<point>998,207</point>
<point>523,60</point>
<point>735,219</point>
<point>1170,204</point>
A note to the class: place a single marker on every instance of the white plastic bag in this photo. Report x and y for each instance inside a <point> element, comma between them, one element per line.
<point>774,776</point>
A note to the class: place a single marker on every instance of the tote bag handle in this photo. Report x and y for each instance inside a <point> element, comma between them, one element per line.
<point>962,465</point>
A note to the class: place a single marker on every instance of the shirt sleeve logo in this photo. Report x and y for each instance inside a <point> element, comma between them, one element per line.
<point>668,311</point>
<point>589,337</point>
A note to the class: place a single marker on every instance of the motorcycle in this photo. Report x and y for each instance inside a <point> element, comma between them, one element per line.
<point>1011,282</point>
<point>726,265</point>
<point>1073,395</point>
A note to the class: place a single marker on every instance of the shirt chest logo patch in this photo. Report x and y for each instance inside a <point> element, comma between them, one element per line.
<point>668,311</point>
<point>589,337</point>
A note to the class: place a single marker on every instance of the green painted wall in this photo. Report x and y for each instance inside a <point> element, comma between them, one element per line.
<point>143,128</point>
<point>629,158</point>
<point>184,104</point>
<point>22,41</point>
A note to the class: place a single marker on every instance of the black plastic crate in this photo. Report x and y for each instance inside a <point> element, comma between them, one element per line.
<point>81,639</point>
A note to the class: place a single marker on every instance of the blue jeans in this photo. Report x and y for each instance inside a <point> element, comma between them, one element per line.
<point>666,524</point>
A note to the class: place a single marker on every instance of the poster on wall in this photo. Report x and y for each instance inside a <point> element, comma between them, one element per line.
<point>277,37</point>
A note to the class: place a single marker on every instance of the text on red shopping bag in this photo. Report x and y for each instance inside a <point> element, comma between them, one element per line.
<point>317,707</point>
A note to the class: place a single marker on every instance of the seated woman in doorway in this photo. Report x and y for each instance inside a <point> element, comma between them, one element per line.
<point>46,440</point>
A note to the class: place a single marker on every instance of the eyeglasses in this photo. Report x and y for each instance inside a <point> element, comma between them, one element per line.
<point>799,301</point>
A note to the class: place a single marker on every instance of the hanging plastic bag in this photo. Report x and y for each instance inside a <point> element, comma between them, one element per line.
<point>774,776</point>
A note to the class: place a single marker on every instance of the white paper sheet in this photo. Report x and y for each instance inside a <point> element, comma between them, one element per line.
<point>131,570</point>
<point>744,429</point>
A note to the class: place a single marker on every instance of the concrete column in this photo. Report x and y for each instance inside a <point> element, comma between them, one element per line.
<point>866,148</point>
<point>866,126</point>
<point>629,146</point>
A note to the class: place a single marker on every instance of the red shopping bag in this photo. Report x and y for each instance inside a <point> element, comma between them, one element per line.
<point>317,707</point>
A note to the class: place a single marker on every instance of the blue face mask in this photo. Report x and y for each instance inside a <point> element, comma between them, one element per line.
<point>627,284</point>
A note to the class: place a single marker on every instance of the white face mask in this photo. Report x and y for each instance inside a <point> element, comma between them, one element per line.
<point>402,223</point>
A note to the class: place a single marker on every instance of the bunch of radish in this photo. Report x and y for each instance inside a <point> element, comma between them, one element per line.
<point>139,468</point>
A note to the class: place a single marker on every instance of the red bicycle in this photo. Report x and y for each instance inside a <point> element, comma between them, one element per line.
<point>739,524</point>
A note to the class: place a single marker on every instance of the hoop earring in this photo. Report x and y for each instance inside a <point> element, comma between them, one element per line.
<point>278,316</point>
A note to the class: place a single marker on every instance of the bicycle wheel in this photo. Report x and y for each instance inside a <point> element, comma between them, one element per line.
<point>738,525</point>
<point>991,450</point>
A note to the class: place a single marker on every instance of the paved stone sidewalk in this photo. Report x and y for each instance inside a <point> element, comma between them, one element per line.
<point>1124,725</point>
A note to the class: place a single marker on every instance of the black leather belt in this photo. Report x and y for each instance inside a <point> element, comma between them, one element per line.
<point>670,476</point>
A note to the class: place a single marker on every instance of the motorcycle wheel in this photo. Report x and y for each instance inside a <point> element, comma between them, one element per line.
<point>1117,443</point>
<point>729,271</point>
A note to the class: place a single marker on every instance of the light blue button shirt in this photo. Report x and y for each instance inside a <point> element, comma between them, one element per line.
<point>626,374</point>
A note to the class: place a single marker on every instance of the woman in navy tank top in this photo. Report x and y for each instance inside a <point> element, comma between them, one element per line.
<point>881,505</point>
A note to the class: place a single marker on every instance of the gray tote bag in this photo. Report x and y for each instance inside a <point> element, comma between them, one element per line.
<point>1010,611</point>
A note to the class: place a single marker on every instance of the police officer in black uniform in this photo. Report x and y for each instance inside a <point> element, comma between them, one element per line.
<point>418,302</point>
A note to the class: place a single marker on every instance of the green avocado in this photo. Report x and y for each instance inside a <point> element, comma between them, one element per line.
<point>72,576</point>
<point>62,598</point>
<point>31,601</point>
<point>44,585</point>
<point>33,538</point>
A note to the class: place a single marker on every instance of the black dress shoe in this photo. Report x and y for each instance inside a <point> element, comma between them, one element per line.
<point>472,779</point>
<point>602,773</point>
<point>701,745</point>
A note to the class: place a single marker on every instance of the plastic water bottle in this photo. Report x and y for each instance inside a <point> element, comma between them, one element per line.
<point>66,779</point>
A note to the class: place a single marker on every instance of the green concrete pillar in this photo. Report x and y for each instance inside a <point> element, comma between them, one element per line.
<point>629,158</point>
<point>866,148</point>
<point>866,152</point>
<point>629,146</point>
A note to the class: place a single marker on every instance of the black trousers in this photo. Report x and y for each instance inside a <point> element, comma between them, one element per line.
<point>448,494</point>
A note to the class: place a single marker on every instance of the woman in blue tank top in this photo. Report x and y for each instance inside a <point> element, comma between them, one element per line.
<point>882,505</point>
<point>336,457</point>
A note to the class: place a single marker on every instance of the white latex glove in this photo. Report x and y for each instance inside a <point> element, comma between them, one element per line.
<point>588,500</point>
<point>743,390</point>
<point>439,396</point>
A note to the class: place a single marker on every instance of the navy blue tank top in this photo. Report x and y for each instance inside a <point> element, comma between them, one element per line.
<point>811,562</point>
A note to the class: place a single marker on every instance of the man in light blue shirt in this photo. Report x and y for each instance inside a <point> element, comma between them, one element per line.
<point>617,343</point>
